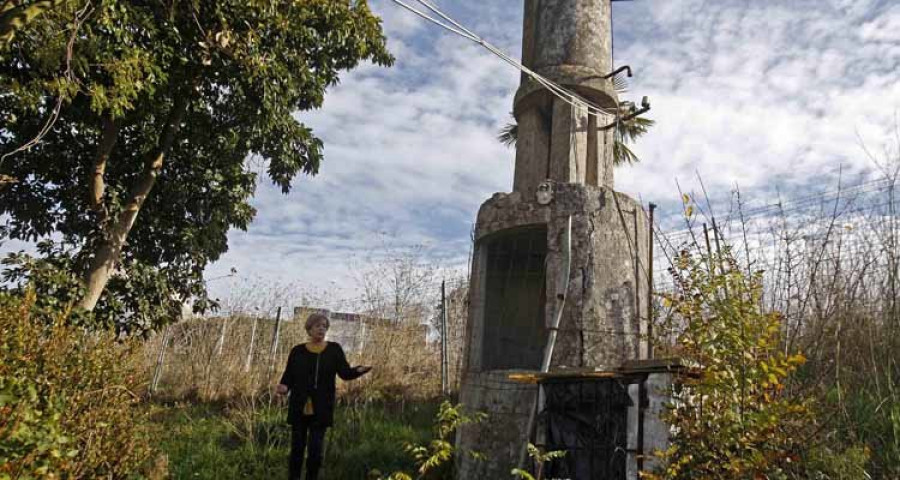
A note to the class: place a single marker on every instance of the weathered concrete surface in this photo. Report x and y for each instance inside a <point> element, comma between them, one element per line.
<point>508,405</point>
<point>655,433</point>
<point>600,151</point>
<point>563,144</point>
<point>573,32</point>
<point>606,296</point>
<point>568,42</point>
<point>568,143</point>
<point>604,315</point>
<point>532,151</point>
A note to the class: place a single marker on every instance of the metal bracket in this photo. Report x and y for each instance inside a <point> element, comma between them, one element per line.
<point>618,70</point>
<point>633,112</point>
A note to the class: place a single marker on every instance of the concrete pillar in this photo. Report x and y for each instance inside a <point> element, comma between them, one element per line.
<point>528,30</point>
<point>604,317</point>
<point>603,322</point>
<point>576,33</point>
<point>532,152</point>
<point>568,42</point>
<point>600,152</point>
<point>606,139</point>
<point>568,143</point>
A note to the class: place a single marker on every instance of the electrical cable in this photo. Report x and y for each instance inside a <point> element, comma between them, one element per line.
<point>571,98</point>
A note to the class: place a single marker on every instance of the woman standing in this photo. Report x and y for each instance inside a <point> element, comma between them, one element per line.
<point>309,377</point>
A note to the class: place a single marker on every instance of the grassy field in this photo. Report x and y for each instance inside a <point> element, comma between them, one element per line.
<point>249,439</point>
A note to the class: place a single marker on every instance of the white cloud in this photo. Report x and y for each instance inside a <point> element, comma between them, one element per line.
<point>885,28</point>
<point>760,93</point>
<point>764,94</point>
<point>410,152</point>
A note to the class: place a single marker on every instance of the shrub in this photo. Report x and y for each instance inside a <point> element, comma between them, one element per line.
<point>540,459</point>
<point>433,460</point>
<point>734,420</point>
<point>67,407</point>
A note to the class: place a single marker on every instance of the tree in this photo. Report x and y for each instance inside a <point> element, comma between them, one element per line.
<point>153,108</point>
<point>15,14</point>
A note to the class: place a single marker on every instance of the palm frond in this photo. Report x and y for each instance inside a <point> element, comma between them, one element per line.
<point>623,155</point>
<point>509,134</point>
<point>628,132</point>
<point>625,133</point>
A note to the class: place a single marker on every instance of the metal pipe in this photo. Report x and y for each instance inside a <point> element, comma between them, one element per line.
<point>642,404</point>
<point>249,360</point>
<point>560,297</point>
<point>274,348</point>
<point>650,285</point>
<point>625,68</point>
<point>220,344</point>
<point>645,107</point>
<point>444,370</point>
<point>563,280</point>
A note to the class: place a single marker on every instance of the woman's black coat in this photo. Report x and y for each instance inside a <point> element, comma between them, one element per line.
<point>311,375</point>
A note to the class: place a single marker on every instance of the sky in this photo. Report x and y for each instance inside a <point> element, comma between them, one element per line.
<point>770,95</point>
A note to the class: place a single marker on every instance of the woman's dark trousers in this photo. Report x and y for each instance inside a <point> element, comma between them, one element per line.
<point>310,438</point>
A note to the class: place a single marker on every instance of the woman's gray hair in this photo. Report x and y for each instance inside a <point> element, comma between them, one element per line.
<point>315,318</point>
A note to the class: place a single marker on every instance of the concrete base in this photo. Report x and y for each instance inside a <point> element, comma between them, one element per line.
<point>604,311</point>
<point>508,405</point>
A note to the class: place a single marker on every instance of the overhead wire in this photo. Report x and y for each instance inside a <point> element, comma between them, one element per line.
<point>569,97</point>
<point>800,204</point>
<point>765,211</point>
<point>560,92</point>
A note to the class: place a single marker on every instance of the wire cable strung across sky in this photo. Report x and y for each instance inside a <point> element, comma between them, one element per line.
<point>455,27</point>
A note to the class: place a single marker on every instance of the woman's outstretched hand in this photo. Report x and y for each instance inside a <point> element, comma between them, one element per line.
<point>363,369</point>
<point>281,389</point>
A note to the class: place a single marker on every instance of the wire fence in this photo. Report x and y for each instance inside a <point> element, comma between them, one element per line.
<point>222,357</point>
<point>835,249</point>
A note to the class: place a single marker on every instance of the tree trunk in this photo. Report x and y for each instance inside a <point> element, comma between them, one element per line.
<point>107,253</point>
<point>97,183</point>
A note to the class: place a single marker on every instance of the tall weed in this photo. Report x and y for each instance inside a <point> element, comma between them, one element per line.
<point>67,402</point>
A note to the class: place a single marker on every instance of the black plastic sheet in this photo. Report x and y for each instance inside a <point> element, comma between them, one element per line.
<point>586,418</point>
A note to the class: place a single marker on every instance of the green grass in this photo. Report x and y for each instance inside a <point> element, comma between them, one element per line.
<point>211,441</point>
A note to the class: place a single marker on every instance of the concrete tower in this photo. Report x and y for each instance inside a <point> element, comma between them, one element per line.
<point>569,42</point>
<point>524,275</point>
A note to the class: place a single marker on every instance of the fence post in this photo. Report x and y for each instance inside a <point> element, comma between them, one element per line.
<point>650,316</point>
<point>274,349</point>
<point>445,382</point>
<point>252,341</point>
<point>221,343</point>
<point>157,372</point>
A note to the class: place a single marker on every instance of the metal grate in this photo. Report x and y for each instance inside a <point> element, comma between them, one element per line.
<point>514,330</point>
<point>586,418</point>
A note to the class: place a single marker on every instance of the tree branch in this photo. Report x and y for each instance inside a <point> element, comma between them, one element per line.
<point>153,162</point>
<point>108,252</point>
<point>108,139</point>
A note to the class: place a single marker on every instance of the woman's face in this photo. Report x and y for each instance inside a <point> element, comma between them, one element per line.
<point>317,331</point>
